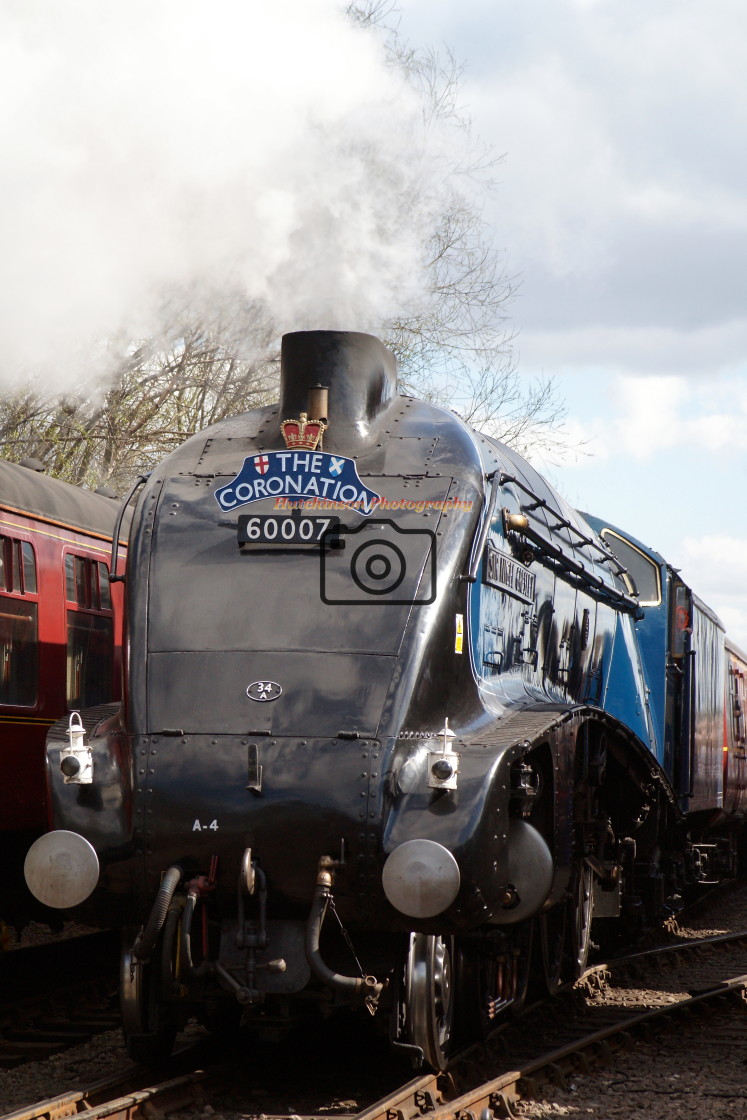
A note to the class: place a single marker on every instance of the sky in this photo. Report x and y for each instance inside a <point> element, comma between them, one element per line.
<point>207,153</point>
<point>621,208</point>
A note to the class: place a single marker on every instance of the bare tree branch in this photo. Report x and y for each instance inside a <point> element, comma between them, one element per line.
<point>457,350</point>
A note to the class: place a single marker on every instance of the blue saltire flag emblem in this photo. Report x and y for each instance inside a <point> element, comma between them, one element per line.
<point>301,476</point>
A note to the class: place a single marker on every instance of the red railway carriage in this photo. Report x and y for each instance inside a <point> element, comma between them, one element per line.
<point>735,730</point>
<point>60,630</point>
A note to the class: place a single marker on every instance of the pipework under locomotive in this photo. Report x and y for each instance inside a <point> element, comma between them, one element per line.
<point>386,735</point>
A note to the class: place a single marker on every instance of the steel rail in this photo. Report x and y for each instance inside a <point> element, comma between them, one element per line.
<point>494,1098</point>
<point>417,1097</point>
<point>97,1103</point>
<point>461,1093</point>
<point>446,1097</point>
<point>56,995</point>
<point>690,945</point>
<point>499,1093</point>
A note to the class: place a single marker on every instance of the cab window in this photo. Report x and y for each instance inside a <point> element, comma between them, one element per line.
<point>643,574</point>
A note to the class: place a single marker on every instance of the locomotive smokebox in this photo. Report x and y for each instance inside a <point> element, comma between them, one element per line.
<point>359,372</point>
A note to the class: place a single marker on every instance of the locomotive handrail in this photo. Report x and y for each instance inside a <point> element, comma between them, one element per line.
<point>594,584</point>
<point>566,564</point>
<point>562,522</point>
<point>563,563</point>
<point>477,548</point>
<point>139,481</point>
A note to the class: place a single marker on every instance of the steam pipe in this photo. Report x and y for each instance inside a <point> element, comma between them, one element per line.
<point>355,986</point>
<point>145,942</point>
<point>169,970</point>
<point>186,967</point>
<point>196,888</point>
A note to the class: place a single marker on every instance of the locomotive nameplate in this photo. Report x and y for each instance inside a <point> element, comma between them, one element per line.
<point>284,531</point>
<point>507,574</point>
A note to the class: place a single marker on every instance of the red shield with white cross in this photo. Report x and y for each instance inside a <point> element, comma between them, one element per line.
<point>261,463</point>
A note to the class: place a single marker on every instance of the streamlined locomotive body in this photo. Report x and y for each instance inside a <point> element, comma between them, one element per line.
<point>389,732</point>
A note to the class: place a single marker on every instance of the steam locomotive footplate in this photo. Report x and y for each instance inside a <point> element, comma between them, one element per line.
<point>285,530</point>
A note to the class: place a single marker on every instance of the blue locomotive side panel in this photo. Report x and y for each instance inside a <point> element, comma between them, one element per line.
<point>543,619</point>
<point>683,656</point>
<point>625,690</point>
<point>646,574</point>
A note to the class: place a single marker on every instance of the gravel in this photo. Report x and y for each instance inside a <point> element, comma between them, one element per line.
<point>691,1069</point>
<point>34,1081</point>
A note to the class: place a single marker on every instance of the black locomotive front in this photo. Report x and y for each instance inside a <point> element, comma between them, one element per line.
<point>305,744</point>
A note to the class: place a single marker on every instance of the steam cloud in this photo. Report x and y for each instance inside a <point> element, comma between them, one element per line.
<point>214,148</point>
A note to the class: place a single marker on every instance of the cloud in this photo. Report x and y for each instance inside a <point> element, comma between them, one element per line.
<point>621,206</point>
<point>716,560</point>
<point>641,350</point>
<point>644,418</point>
<point>715,566</point>
<point>734,617</point>
<point>264,150</point>
<point>621,201</point>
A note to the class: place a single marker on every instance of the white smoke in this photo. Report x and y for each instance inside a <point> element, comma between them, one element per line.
<point>221,147</point>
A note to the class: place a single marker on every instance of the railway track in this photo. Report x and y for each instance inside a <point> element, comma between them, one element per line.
<point>512,1065</point>
<point>129,1096</point>
<point>56,995</point>
<point>495,1097</point>
<point>546,1046</point>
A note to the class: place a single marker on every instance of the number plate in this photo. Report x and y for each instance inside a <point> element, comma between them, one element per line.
<point>265,530</point>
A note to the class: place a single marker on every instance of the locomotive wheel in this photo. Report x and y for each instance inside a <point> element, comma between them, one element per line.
<point>581,901</point>
<point>149,1032</point>
<point>565,931</point>
<point>428,993</point>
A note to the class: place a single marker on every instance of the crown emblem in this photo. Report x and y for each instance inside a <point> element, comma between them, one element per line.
<point>302,434</point>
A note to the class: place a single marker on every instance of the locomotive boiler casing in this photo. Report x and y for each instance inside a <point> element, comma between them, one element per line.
<point>485,625</point>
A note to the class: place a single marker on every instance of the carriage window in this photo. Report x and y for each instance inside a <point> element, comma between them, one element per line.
<point>87,583</point>
<point>17,566</point>
<point>90,646</point>
<point>29,568</point>
<point>737,714</point>
<point>90,632</point>
<point>78,580</point>
<point>10,551</point>
<point>70,578</point>
<point>18,652</point>
<point>16,581</point>
<point>643,573</point>
<point>104,590</point>
<point>82,582</point>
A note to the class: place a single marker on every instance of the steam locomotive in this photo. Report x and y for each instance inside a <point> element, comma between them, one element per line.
<point>60,643</point>
<point>400,727</point>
